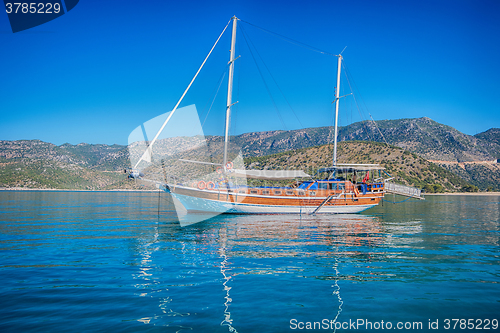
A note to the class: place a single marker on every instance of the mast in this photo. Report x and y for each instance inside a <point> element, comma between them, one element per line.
<point>229,91</point>
<point>337,92</point>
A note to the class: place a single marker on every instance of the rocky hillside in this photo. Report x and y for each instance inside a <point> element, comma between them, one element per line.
<point>92,156</point>
<point>37,164</point>
<point>434,141</point>
<point>443,145</point>
<point>486,176</point>
<point>33,163</point>
<point>423,136</point>
<point>407,168</point>
<point>492,135</point>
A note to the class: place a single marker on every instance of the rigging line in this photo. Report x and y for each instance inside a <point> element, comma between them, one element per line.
<point>376,126</point>
<point>356,102</point>
<point>275,82</point>
<point>147,153</point>
<point>347,74</point>
<point>357,105</point>
<point>215,96</point>
<point>292,41</point>
<point>264,81</point>
<point>361,96</point>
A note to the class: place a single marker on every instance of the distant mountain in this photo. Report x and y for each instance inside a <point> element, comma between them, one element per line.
<point>493,136</point>
<point>407,168</point>
<point>97,156</point>
<point>422,136</point>
<point>38,164</point>
<point>34,163</point>
<point>435,142</point>
<point>94,156</point>
<point>483,175</point>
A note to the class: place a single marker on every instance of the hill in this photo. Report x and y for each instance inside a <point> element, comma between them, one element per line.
<point>37,164</point>
<point>34,163</point>
<point>407,168</point>
<point>435,142</point>
<point>493,136</point>
<point>423,136</point>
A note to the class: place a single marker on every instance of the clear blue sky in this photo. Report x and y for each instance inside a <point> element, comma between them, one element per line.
<point>99,71</point>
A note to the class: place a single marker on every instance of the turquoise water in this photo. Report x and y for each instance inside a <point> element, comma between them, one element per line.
<point>108,261</point>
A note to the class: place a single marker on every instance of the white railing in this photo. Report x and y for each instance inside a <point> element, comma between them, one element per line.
<point>407,191</point>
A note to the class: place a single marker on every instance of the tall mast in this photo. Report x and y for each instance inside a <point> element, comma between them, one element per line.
<point>229,91</point>
<point>337,96</point>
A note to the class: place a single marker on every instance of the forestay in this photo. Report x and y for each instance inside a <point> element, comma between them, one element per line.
<point>352,167</point>
<point>270,174</point>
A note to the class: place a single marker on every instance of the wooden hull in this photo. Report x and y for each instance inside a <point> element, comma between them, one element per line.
<point>264,201</point>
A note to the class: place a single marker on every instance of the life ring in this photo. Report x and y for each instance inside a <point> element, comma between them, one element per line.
<point>201,185</point>
<point>229,165</point>
<point>210,185</point>
<point>219,170</point>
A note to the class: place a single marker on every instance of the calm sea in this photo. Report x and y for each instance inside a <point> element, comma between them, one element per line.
<point>120,262</point>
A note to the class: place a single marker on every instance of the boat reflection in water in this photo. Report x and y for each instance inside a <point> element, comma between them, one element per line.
<point>232,269</point>
<point>224,267</point>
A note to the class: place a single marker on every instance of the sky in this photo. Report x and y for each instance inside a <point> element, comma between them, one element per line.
<point>96,73</point>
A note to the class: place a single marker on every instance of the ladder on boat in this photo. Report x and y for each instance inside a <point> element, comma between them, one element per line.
<point>403,190</point>
<point>328,198</point>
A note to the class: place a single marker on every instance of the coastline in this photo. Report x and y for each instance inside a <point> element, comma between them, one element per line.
<point>134,190</point>
<point>466,193</point>
<point>70,190</point>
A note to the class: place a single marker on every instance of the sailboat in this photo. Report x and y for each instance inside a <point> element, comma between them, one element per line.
<point>329,191</point>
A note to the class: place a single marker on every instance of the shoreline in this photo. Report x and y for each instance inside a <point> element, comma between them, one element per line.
<point>132,190</point>
<point>70,190</point>
<point>465,193</point>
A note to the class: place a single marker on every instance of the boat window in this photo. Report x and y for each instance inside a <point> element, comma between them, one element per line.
<point>312,194</point>
<point>304,185</point>
<point>277,192</point>
<point>301,193</point>
<point>323,186</point>
<point>333,186</point>
<point>341,186</point>
<point>265,192</point>
<point>314,186</point>
<point>241,191</point>
<point>289,192</point>
<point>254,191</point>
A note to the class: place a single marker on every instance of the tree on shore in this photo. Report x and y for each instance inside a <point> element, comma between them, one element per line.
<point>470,188</point>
